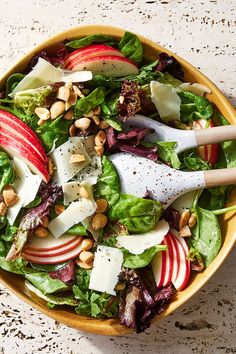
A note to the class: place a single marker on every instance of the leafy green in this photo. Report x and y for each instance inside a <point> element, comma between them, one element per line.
<point>3,250</point>
<point>31,120</point>
<point>44,282</point>
<point>194,107</point>
<point>213,198</point>
<point>9,233</point>
<point>28,100</point>
<point>37,200</point>
<point>55,131</point>
<point>78,229</point>
<point>6,170</point>
<point>16,266</point>
<point>139,215</point>
<point>206,235</point>
<point>47,267</point>
<point>195,163</point>
<point>13,81</point>
<point>3,221</point>
<point>109,105</point>
<point>131,46</point>
<point>92,303</point>
<point>88,103</point>
<point>166,151</point>
<point>167,78</point>
<point>140,260</point>
<point>94,38</point>
<point>108,185</point>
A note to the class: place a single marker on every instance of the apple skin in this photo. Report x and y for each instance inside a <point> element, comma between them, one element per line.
<point>16,149</point>
<point>109,66</point>
<point>52,253</point>
<point>169,261</point>
<point>176,261</point>
<point>49,243</point>
<point>209,153</point>
<point>93,50</point>
<point>184,266</point>
<point>56,259</point>
<point>159,267</point>
<point>14,124</point>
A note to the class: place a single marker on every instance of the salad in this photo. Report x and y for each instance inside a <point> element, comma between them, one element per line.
<point>66,226</point>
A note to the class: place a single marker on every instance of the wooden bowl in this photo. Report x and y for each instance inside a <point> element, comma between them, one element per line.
<point>66,315</point>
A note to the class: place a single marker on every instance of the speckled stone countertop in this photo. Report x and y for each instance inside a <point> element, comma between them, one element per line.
<point>203,32</point>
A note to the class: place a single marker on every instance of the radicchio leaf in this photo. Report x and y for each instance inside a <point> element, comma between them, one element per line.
<point>56,60</point>
<point>140,300</point>
<point>131,102</point>
<point>135,135</point>
<point>33,218</point>
<point>171,215</point>
<point>150,153</point>
<point>170,64</point>
<point>66,274</point>
<point>111,140</point>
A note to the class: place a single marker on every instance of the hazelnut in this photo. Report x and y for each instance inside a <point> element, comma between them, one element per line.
<point>101,205</point>
<point>99,221</point>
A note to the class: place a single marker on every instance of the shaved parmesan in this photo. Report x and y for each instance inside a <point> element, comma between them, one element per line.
<point>76,76</point>
<point>166,100</point>
<point>26,186</point>
<point>61,158</point>
<point>106,269</point>
<point>74,214</point>
<point>196,88</point>
<point>71,191</point>
<point>137,244</point>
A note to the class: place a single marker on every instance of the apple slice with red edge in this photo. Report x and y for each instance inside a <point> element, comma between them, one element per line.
<point>108,65</point>
<point>169,261</point>
<point>159,267</point>
<point>184,266</point>
<point>57,252</point>
<point>49,243</point>
<point>210,152</point>
<point>175,255</point>
<point>15,148</point>
<point>93,50</point>
<point>9,122</point>
<point>54,259</point>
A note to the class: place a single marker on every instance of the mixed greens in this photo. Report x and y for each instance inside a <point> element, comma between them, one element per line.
<point>66,226</point>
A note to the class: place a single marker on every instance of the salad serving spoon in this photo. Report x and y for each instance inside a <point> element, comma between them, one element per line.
<point>186,139</point>
<point>139,175</point>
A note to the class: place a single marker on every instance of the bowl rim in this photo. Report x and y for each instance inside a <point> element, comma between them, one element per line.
<point>112,326</point>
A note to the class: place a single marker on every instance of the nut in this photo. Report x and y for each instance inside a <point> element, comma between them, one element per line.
<point>9,196</point>
<point>73,98</point>
<point>69,115</point>
<point>42,112</point>
<point>45,221</point>
<point>99,221</point>
<point>86,244</point>
<point>83,192</point>
<point>83,265</point>
<point>192,220</point>
<point>86,256</point>
<point>184,218</point>
<point>99,150</point>
<point>50,166</point>
<point>72,130</point>
<point>59,208</point>
<point>121,99</point>
<point>67,105</point>
<point>185,231</point>
<point>77,91</point>
<point>3,209</point>
<point>41,232</point>
<point>83,123</point>
<point>101,205</point>
<point>97,111</point>
<point>77,158</point>
<point>100,138</point>
<point>57,108</point>
<point>103,124</point>
<point>96,119</point>
<point>41,122</point>
<point>63,93</point>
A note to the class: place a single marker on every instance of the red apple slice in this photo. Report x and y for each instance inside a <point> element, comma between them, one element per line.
<point>94,50</point>
<point>169,261</point>
<point>175,259</point>
<point>56,259</point>
<point>49,243</point>
<point>16,149</point>
<point>9,122</point>
<point>57,252</point>
<point>159,267</point>
<point>107,65</point>
<point>184,266</point>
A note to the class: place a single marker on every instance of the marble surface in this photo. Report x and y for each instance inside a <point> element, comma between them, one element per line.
<point>203,32</point>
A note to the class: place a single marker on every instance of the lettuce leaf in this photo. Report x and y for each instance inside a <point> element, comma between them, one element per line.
<point>166,151</point>
<point>131,46</point>
<point>6,170</point>
<point>94,38</point>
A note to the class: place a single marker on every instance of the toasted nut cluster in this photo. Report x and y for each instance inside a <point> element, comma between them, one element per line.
<point>101,205</point>
<point>85,259</point>
<point>41,232</point>
<point>99,221</point>
<point>3,209</point>
<point>192,221</point>
<point>77,158</point>
<point>103,124</point>
<point>184,218</point>
<point>9,195</point>
<point>185,232</point>
<point>59,208</point>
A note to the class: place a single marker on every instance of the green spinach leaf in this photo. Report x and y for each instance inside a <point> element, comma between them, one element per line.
<point>167,153</point>
<point>195,163</point>
<point>3,250</point>
<point>6,170</point>
<point>131,46</point>
<point>78,229</point>
<point>194,107</point>
<point>139,215</point>
<point>94,38</point>
<point>140,260</point>
<point>9,233</point>
<point>37,200</point>
<point>88,103</point>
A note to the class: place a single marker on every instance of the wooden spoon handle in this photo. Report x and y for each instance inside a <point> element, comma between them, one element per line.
<point>215,135</point>
<point>221,177</point>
